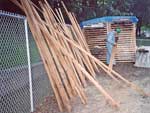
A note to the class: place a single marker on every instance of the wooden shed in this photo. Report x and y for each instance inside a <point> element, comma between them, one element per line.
<point>96,31</point>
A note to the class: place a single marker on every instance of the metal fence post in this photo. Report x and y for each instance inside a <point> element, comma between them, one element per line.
<point>29,65</point>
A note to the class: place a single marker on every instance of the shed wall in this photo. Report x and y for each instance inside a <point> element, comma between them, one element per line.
<point>126,46</point>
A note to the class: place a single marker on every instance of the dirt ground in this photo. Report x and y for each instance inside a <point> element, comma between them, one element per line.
<point>130,101</point>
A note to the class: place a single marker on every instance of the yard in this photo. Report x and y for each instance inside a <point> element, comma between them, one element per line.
<point>45,52</point>
<point>130,101</point>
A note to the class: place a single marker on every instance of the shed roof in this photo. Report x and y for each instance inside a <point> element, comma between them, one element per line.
<point>133,19</point>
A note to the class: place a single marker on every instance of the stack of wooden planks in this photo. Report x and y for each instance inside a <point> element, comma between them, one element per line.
<point>65,54</point>
<point>126,48</point>
<point>95,37</point>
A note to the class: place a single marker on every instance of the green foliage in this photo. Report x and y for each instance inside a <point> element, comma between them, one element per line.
<point>146,27</point>
<point>141,9</point>
<point>87,9</point>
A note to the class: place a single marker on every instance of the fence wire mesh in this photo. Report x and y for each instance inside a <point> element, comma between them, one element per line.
<point>14,75</point>
<point>40,81</point>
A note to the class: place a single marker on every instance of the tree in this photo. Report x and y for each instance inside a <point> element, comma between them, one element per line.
<point>141,9</point>
<point>87,9</point>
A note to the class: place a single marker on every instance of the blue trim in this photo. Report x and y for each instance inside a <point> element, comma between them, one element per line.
<point>133,19</point>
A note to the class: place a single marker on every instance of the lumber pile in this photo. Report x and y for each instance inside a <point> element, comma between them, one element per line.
<point>95,37</point>
<point>126,47</point>
<point>65,54</point>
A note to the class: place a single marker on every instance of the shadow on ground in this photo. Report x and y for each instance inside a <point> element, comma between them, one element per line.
<point>130,101</point>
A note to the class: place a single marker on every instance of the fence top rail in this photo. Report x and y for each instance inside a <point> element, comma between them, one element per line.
<point>14,15</point>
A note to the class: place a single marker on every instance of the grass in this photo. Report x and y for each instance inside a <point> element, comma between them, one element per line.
<point>14,51</point>
<point>143,42</point>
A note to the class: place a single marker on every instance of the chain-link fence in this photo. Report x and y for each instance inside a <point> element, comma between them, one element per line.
<point>23,80</point>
